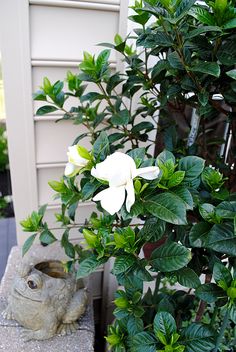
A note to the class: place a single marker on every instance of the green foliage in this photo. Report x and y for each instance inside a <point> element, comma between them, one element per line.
<point>188,211</point>
<point>3,149</point>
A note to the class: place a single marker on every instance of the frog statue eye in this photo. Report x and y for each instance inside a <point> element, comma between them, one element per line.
<point>34,281</point>
<point>32,285</point>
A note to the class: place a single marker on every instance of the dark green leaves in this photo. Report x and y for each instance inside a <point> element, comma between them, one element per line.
<point>198,338</point>
<point>101,146</point>
<point>123,263</point>
<point>222,275</point>
<point>174,60</point>
<point>28,243</point>
<point>170,257</point>
<point>202,15</point>
<point>143,342</point>
<point>46,110</point>
<point>210,68</point>
<point>67,245</point>
<point>167,207</point>
<point>210,292</point>
<point>47,237</point>
<point>227,53</point>
<point>121,118</point>
<point>164,323</point>
<point>198,234</point>
<point>87,266</point>
<point>153,230</point>
<point>188,278</point>
<point>193,167</point>
<point>222,239</point>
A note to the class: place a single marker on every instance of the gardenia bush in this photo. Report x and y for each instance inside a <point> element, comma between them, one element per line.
<point>179,201</point>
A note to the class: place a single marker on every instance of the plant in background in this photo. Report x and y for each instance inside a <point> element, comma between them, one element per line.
<point>184,55</point>
<point>3,149</point>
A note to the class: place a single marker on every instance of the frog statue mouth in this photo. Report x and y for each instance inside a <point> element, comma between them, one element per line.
<point>53,269</point>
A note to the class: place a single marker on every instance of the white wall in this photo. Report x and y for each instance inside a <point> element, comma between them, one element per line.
<point>46,38</point>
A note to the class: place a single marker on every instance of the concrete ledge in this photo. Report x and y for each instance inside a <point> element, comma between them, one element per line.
<point>81,341</point>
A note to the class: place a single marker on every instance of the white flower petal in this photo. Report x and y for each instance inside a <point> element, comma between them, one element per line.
<point>130,199</point>
<point>149,173</point>
<point>111,199</point>
<point>69,169</point>
<point>75,158</point>
<point>117,169</point>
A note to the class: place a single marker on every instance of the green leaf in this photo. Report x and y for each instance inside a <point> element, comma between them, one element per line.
<point>67,245</point>
<point>176,179</point>
<point>184,194</point>
<point>42,209</point>
<point>46,110</point>
<point>183,7</point>
<point>210,292</point>
<point>145,125</point>
<point>143,342</point>
<point>138,155</point>
<point>211,68</point>
<point>226,210</point>
<point>102,59</point>
<point>202,15</point>
<point>199,233</point>
<point>164,156</point>
<point>134,325</point>
<point>167,207</point>
<point>193,167</point>
<point>40,95</point>
<point>170,257</point>
<point>188,278</point>
<point>198,338</point>
<point>227,53</point>
<point>153,230</point>
<point>47,237</point>
<point>207,211</point>
<point>121,118</point>
<point>221,273</point>
<point>158,68</point>
<point>87,266</point>
<point>141,19</point>
<point>164,323</point>
<point>123,263</point>
<point>28,243</point>
<point>221,238</point>
<point>58,186</point>
<point>101,147</point>
<point>201,30</point>
<point>174,60</point>
<point>230,24</point>
<point>232,73</point>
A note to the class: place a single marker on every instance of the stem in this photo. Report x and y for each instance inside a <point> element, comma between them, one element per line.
<point>222,330</point>
<point>214,315</point>
<point>202,304</point>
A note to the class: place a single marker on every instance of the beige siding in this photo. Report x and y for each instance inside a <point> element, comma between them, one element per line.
<point>47,38</point>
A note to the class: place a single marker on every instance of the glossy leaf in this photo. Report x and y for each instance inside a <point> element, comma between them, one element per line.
<point>167,207</point>
<point>170,257</point>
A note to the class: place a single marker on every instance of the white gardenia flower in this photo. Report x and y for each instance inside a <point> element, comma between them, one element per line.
<point>119,170</point>
<point>75,161</point>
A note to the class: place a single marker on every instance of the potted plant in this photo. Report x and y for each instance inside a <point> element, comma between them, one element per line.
<point>178,188</point>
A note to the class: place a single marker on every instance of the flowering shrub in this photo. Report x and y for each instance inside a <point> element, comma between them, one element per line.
<point>168,196</point>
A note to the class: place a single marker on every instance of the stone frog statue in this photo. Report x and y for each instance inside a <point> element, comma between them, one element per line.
<point>46,301</point>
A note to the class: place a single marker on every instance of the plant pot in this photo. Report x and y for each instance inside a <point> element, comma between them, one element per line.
<point>149,247</point>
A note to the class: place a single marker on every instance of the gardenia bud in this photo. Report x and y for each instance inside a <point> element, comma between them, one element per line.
<point>76,162</point>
